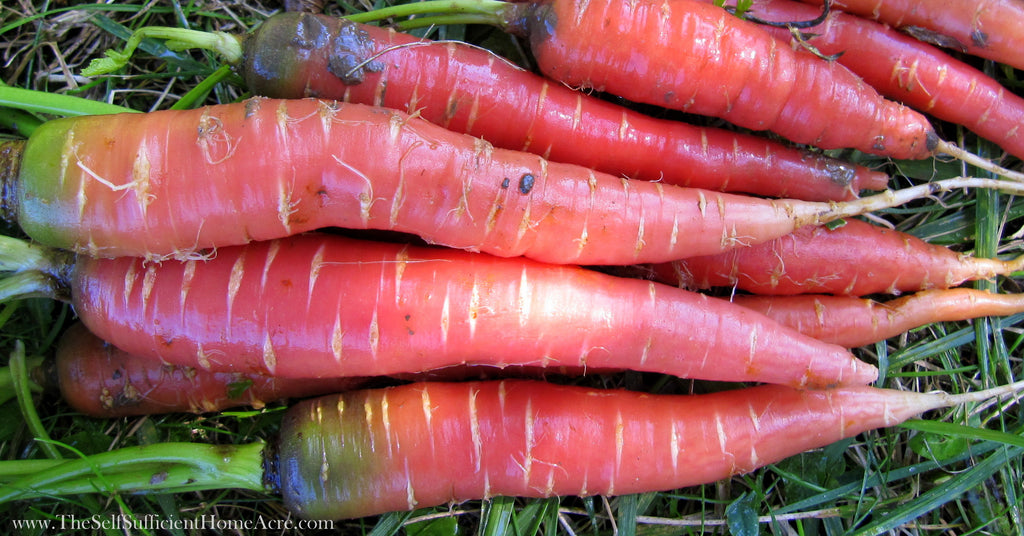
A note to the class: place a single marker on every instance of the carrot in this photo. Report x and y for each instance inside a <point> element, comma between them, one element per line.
<point>100,380</point>
<point>989,29</point>
<point>909,71</point>
<point>852,322</point>
<point>854,259</point>
<point>473,91</point>
<point>172,183</point>
<point>321,306</point>
<point>541,440</point>
<point>698,58</point>
<point>368,452</point>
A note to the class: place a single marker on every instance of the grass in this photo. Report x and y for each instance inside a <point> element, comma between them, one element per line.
<point>948,475</point>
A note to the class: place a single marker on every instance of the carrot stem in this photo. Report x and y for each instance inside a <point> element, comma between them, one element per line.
<point>22,389</point>
<point>161,467</point>
<point>34,271</point>
<point>227,46</point>
<point>490,10</point>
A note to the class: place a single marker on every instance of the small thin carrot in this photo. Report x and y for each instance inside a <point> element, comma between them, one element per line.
<point>988,29</point>
<point>856,259</point>
<point>471,90</point>
<point>322,306</point>
<point>908,70</point>
<point>175,183</point>
<point>852,322</point>
<point>98,379</point>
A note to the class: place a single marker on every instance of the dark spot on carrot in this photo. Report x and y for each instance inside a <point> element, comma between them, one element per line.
<point>839,173</point>
<point>879,144</point>
<point>670,96</point>
<point>451,109</point>
<point>526,183</point>
<point>310,33</point>
<point>251,107</point>
<point>979,38</point>
<point>350,55</point>
<point>931,141</point>
<point>116,375</point>
<point>933,37</point>
<point>407,317</point>
<point>505,183</point>
<point>165,341</point>
<point>286,283</point>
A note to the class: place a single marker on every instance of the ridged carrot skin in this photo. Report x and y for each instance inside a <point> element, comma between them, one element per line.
<point>856,259</point>
<point>172,183</point>
<point>910,71</point>
<point>699,58</point>
<point>470,90</point>
<point>368,452</point>
<point>988,29</point>
<point>319,306</point>
<point>100,380</point>
<point>852,322</point>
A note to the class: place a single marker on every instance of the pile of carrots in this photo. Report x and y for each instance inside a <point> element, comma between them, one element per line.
<point>230,254</point>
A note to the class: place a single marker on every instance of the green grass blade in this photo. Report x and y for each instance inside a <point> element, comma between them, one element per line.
<point>943,493</point>
<point>55,104</point>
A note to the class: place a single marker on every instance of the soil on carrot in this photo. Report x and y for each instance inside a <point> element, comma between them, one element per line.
<point>886,481</point>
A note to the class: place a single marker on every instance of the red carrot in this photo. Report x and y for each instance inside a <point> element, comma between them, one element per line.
<point>368,452</point>
<point>98,379</point>
<point>699,58</point>
<point>320,306</point>
<point>851,322</point>
<point>989,29</point>
<point>909,71</point>
<point>855,259</point>
<point>473,91</point>
<point>172,183</point>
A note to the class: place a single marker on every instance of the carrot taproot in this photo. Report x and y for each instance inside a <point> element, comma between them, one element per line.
<point>173,183</point>
<point>908,70</point>
<point>471,90</point>
<point>852,322</point>
<point>100,380</point>
<point>856,258</point>
<point>368,452</point>
<point>325,305</point>
<point>987,29</point>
